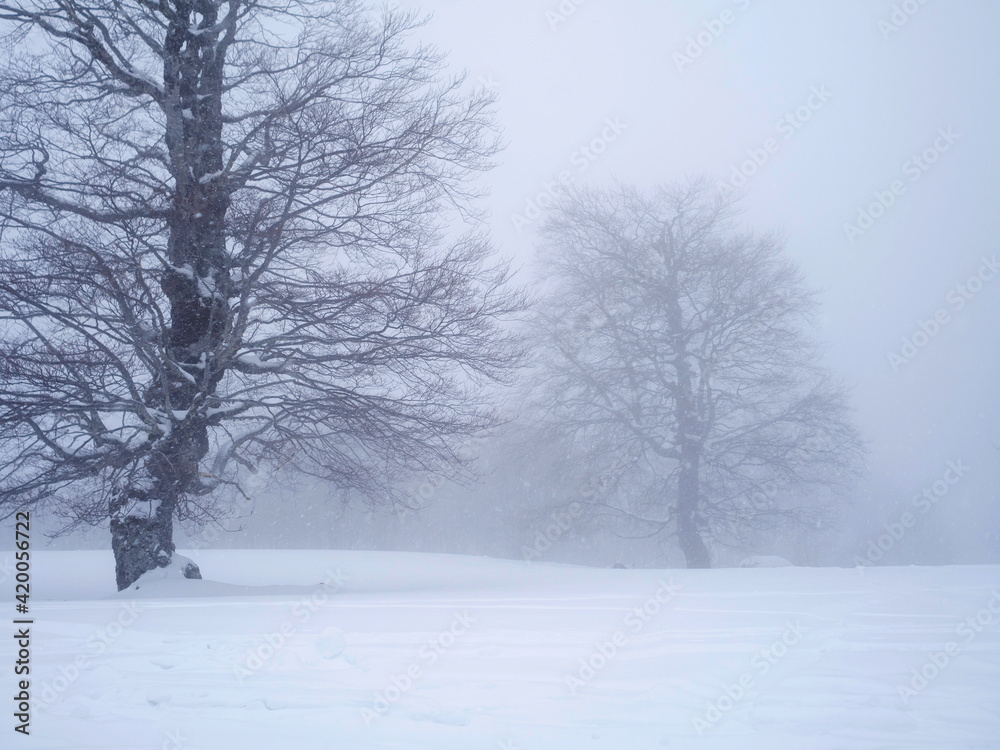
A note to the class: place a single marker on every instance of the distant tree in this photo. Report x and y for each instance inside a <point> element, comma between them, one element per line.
<point>222,247</point>
<point>674,348</point>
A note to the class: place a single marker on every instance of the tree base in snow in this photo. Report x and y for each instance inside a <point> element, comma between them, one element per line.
<point>144,544</point>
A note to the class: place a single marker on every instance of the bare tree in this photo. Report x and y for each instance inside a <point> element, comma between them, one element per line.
<point>676,352</point>
<point>222,246</point>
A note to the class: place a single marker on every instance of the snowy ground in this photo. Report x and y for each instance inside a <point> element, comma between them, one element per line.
<point>397,650</point>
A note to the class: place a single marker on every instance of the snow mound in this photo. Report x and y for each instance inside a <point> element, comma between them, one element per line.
<point>765,561</point>
<point>179,568</point>
<point>330,643</point>
<point>182,578</point>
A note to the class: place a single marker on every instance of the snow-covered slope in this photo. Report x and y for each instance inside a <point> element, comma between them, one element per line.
<point>327,649</point>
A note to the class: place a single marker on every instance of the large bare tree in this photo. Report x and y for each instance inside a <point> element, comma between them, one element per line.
<point>675,350</point>
<point>222,246</point>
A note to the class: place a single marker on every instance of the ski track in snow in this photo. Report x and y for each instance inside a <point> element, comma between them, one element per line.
<point>169,678</point>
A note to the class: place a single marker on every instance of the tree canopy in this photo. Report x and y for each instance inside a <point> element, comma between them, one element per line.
<point>223,246</point>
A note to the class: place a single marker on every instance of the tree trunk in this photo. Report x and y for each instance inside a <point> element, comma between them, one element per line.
<point>689,425</point>
<point>692,545</point>
<point>197,285</point>
<point>143,542</point>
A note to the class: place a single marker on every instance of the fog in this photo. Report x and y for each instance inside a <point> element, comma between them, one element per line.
<point>891,87</point>
<point>815,113</point>
<point>850,99</point>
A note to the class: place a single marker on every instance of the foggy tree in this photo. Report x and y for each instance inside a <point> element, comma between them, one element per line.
<point>676,352</point>
<point>223,247</point>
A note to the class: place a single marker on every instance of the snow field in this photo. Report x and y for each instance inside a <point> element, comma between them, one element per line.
<point>318,649</point>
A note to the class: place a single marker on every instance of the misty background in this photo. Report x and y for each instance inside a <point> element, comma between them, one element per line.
<point>818,108</point>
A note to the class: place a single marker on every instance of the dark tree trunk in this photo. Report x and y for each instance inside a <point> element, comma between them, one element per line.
<point>197,285</point>
<point>689,425</point>
<point>142,518</point>
<point>692,545</point>
<point>141,544</point>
